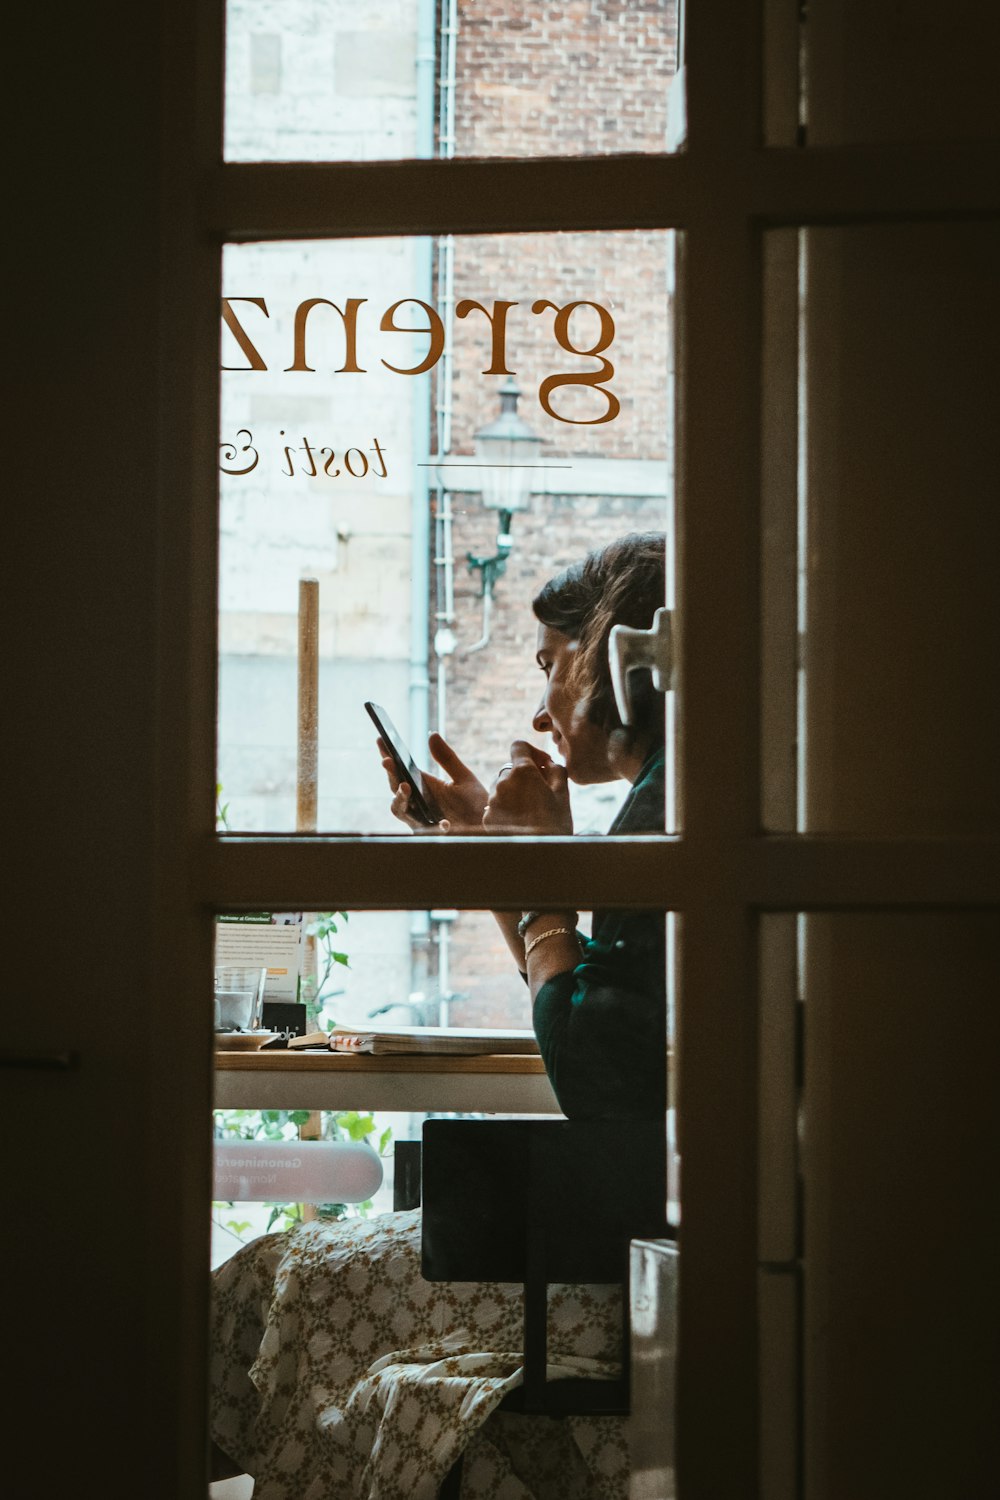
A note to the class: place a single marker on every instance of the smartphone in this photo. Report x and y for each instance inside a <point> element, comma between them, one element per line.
<point>422,803</point>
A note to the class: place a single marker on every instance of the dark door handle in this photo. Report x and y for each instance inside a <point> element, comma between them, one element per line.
<point>62,1060</point>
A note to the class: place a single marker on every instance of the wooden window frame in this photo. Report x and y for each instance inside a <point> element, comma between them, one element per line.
<point>722,191</point>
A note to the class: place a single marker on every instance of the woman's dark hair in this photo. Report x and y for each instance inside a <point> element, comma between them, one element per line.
<point>620,584</point>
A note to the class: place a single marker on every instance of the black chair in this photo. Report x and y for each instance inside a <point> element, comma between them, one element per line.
<point>541,1202</point>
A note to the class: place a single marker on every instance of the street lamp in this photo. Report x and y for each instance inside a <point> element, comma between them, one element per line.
<point>507,450</point>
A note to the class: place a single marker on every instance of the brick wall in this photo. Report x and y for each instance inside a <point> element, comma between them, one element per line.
<point>557,79</point>
<point>624,273</point>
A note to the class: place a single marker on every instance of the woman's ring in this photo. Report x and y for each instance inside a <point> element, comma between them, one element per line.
<point>507,766</point>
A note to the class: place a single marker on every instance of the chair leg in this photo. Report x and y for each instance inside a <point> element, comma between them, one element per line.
<point>406,1166</point>
<point>451,1484</point>
<point>221,1466</point>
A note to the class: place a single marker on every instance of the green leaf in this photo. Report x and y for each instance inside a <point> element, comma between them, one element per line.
<point>357,1126</point>
<point>384,1140</point>
<point>299,1117</point>
<point>290,1212</point>
<point>361,1126</point>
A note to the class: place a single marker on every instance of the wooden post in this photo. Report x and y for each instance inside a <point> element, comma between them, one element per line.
<point>311,1130</point>
<point>306,769</point>
<point>307,779</point>
<point>308,743</point>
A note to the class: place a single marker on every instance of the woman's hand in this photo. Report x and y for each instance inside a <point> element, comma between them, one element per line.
<point>531,796</point>
<point>462,798</point>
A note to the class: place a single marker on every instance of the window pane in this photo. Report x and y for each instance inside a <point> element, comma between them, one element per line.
<point>361,391</point>
<point>336,81</point>
<point>407,986</point>
<point>874,1117</point>
<point>881,382</point>
<point>358,1281</point>
<point>895,1149</point>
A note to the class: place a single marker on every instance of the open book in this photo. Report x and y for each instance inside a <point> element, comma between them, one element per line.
<point>446,1041</point>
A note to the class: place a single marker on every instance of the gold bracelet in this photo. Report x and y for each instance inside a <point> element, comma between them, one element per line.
<point>549,932</point>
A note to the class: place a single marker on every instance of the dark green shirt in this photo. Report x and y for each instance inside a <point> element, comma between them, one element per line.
<point>601,1027</point>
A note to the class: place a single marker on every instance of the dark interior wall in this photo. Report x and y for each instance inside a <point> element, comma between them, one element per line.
<point>92,1284</point>
<point>890,72</point>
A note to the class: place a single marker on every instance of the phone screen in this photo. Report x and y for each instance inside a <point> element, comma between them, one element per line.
<point>422,803</point>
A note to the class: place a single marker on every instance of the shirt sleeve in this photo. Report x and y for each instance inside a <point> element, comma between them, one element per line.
<point>601,1027</point>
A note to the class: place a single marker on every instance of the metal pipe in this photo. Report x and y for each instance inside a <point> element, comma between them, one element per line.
<point>444,638</point>
<point>420,579</point>
<point>419,691</point>
<point>444,972</point>
<point>484,639</point>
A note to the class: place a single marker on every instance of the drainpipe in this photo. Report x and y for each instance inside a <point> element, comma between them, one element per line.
<point>444,639</point>
<point>444,558</point>
<point>419,691</point>
<point>444,636</point>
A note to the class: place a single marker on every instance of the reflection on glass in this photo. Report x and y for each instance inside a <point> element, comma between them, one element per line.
<point>433,432</point>
<point>406,78</point>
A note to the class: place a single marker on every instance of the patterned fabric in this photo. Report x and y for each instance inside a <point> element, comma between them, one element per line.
<point>338,1373</point>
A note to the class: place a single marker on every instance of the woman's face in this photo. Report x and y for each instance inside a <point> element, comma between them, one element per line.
<point>582,745</point>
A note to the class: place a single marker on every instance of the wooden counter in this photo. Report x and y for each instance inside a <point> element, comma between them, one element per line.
<point>329,1080</point>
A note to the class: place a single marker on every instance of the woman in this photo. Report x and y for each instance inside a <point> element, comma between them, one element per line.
<point>339,1371</point>
<point>598,1006</point>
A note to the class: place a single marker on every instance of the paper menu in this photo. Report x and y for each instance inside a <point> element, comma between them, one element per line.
<point>468,1041</point>
<point>270,940</point>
